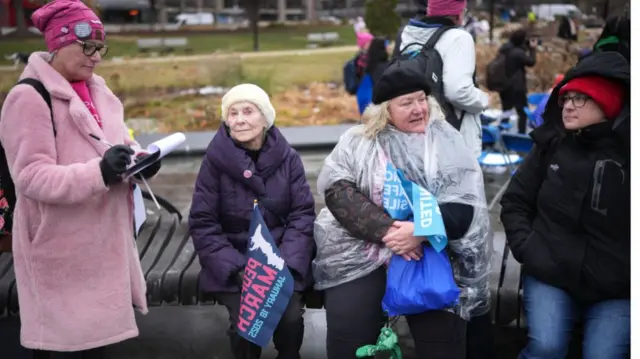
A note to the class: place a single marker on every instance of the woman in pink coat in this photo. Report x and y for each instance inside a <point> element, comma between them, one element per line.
<point>77,268</point>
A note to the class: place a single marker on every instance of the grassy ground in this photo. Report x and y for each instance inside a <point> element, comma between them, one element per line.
<point>146,89</point>
<point>272,73</point>
<point>271,38</point>
<point>277,75</point>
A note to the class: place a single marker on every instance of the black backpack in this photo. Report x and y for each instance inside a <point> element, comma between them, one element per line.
<point>497,78</point>
<point>6,183</point>
<point>350,75</point>
<point>431,62</point>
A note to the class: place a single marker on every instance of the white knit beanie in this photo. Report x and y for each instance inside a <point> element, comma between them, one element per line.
<point>249,93</point>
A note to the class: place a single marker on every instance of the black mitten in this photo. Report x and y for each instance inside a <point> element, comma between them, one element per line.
<point>149,171</point>
<point>114,163</point>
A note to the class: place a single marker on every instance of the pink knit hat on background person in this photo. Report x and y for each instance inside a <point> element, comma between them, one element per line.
<point>445,7</point>
<point>64,21</point>
<point>362,38</point>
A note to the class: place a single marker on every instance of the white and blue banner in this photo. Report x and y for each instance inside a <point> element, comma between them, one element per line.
<point>406,201</point>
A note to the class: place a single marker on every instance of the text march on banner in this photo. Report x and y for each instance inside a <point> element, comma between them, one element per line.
<point>267,285</point>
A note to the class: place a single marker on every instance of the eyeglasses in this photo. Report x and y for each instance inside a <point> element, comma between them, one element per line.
<point>578,100</point>
<point>90,48</point>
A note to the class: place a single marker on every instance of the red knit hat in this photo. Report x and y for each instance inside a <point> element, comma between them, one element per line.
<point>609,95</point>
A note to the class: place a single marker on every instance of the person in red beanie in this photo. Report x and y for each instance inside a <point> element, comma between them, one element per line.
<point>566,214</point>
<point>589,100</point>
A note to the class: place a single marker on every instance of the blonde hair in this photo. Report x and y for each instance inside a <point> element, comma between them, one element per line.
<point>376,117</point>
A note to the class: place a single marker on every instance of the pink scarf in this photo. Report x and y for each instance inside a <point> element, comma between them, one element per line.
<point>83,92</point>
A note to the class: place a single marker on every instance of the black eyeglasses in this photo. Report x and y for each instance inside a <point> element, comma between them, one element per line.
<point>90,48</point>
<point>578,100</point>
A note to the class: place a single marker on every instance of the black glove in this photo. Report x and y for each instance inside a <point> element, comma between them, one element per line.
<point>149,171</point>
<point>114,163</point>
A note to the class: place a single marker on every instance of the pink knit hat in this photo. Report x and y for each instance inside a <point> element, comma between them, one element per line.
<point>445,7</point>
<point>64,21</point>
<point>362,38</point>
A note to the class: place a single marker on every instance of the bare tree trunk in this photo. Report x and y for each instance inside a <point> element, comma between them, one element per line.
<point>252,9</point>
<point>21,22</point>
<point>492,15</point>
<point>312,15</point>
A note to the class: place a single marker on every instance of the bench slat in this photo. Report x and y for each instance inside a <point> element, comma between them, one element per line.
<point>159,242</point>
<point>497,266</point>
<point>147,233</point>
<point>156,275</point>
<point>14,304</point>
<point>6,260</point>
<point>174,278</point>
<point>189,287</point>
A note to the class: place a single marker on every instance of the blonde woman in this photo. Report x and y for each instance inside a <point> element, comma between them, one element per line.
<point>355,236</point>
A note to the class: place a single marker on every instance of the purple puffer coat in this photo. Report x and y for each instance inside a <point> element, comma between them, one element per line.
<point>223,201</point>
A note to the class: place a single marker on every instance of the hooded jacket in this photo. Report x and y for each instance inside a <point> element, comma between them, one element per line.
<point>458,52</point>
<point>229,181</point>
<point>518,58</point>
<point>566,212</point>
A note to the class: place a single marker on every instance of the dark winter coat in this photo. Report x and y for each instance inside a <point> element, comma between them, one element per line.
<point>229,181</point>
<point>566,212</point>
<point>518,59</point>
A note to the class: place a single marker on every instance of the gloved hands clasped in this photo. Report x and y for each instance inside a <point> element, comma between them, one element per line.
<point>114,163</point>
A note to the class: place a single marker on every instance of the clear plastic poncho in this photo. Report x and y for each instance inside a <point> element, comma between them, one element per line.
<point>437,160</point>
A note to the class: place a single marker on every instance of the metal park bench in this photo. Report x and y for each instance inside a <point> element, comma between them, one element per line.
<point>163,45</point>
<point>323,38</point>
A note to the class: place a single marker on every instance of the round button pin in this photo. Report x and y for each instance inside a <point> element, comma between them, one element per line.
<point>82,30</point>
<point>247,174</point>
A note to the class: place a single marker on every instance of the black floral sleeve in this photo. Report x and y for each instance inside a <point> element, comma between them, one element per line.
<point>357,213</point>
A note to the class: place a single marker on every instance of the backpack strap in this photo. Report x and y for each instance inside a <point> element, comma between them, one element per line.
<point>38,86</point>
<point>436,36</point>
<point>409,45</point>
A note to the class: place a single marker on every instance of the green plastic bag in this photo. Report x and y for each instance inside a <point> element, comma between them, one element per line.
<point>387,342</point>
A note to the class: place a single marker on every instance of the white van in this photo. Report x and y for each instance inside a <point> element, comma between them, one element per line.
<point>199,18</point>
<point>549,12</point>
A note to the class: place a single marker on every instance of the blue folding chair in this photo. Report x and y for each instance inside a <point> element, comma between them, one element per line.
<point>536,97</point>
<point>490,116</point>
<point>493,154</point>
<point>512,145</point>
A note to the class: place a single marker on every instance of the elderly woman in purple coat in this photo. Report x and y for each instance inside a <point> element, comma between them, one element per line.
<point>249,159</point>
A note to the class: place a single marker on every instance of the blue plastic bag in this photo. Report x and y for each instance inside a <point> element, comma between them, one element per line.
<point>415,287</point>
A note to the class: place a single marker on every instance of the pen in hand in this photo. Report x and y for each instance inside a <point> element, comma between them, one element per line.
<point>100,140</point>
<point>153,197</point>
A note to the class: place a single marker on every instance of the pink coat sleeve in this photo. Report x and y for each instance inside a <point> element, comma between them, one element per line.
<point>26,134</point>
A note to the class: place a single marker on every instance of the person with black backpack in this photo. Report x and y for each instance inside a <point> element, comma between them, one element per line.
<point>507,74</point>
<point>65,151</point>
<point>448,55</point>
